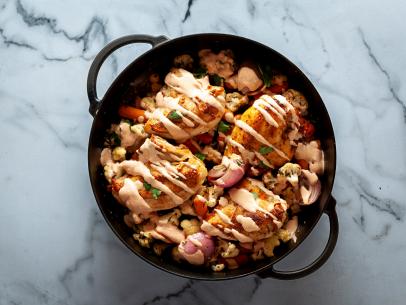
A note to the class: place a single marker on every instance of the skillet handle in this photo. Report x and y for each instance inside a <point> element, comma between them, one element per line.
<point>331,243</point>
<point>102,56</point>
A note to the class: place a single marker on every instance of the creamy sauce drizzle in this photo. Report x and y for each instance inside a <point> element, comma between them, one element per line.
<point>175,181</point>
<point>184,82</point>
<point>136,168</point>
<point>263,159</point>
<point>244,198</point>
<point>171,232</point>
<point>247,223</point>
<point>223,217</point>
<point>212,230</point>
<point>241,237</point>
<point>247,128</point>
<point>173,103</point>
<point>273,106</point>
<point>129,195</point>
<point>268,118</point>
<point>174,130</point>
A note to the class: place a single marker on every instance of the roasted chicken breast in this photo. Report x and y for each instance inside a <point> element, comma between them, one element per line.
<point>186,107</point>
<point>267,129</point>
<point>160,176</point>
<point>251,213</point>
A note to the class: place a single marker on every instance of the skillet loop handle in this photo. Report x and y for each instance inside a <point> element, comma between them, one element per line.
<point>331,243</point>
<point>102,56</point>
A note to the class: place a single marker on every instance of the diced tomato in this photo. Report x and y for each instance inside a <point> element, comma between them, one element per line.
<point>241,259</point>
<point>204,138</point>
<point>115,185</point>
<point>192,148</point>
<point>279,89</point>
<point>303,164</point>
<point>258,95</point>
<point>200,207</point>
<point>306,128</point>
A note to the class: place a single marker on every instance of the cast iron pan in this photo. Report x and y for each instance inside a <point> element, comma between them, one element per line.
<point>159,59</point>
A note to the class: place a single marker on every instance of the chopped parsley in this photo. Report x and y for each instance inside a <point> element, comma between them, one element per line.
<point>147,186</point>
<point>266,73</point>
<point>263,165</point>
<point>173,115</point>
<point>200,156</point>
<point>255,195</point>
<point>127,121</point>
<point>155,193</point>
<point>216,80</point>
<point>265,150</point>
<point>115,139</point>
<point>223,127</point>
<point>200,72</point>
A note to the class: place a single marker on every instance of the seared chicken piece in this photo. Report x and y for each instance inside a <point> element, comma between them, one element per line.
<point>267,131</point>
<point>249,213</point>
<point>186,107</point>
<point>160,176</point>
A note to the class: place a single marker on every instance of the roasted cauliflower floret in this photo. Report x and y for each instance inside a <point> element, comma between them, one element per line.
<point>112,170</point>
<point>291,172</point>
<point>212,154</point>
<point>217,267</point>
<point>211,194</point>
<point>269,180</point>
<point>148,103</point>
<point>221,64</point>
<point>172,217</point>
<point>230,251</point>
<point>298,101</point>
<point>270,244</point>
<point>144,239</point>
<point>235,100</point>
<point>190,226</point>
<point>119,153</point>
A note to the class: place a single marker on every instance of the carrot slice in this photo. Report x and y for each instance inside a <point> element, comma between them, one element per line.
<point>130,112</point>
<point>200,207</point>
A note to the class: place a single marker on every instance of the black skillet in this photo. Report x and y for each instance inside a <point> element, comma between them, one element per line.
<point>159,59</point>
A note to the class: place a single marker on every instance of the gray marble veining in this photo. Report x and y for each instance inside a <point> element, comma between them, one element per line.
<point>55,248</point>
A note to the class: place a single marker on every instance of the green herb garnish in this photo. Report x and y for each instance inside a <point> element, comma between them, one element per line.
<point>267,74</point>
<point>200,156</point>
<point>155,193</point>
<point>223,127</point>
<point>147,186</point>
<point>255,195</point>
<point>173,115</point>
<point>115,139</point>
<point>200,72</point>
<point>263,165</point>
<point>216,80</point>
<point>265,150</point>
<point>127,121</point>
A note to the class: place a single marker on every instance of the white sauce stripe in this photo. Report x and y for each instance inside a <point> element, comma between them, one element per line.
<point>247,128</point>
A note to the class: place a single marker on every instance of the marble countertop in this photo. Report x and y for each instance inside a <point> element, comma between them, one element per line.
<point>55,248</point>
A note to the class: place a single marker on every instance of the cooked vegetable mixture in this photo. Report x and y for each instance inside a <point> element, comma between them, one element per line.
<point>216,162</point>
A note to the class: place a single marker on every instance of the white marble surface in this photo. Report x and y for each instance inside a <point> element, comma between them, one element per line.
<point>54,246</point>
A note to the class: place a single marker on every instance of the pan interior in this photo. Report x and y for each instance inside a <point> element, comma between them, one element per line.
<point>159,60</point>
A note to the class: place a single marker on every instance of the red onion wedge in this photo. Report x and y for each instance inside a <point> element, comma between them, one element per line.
<point>311,187</point>
<point>197,248</point>
<point>228,173</point>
